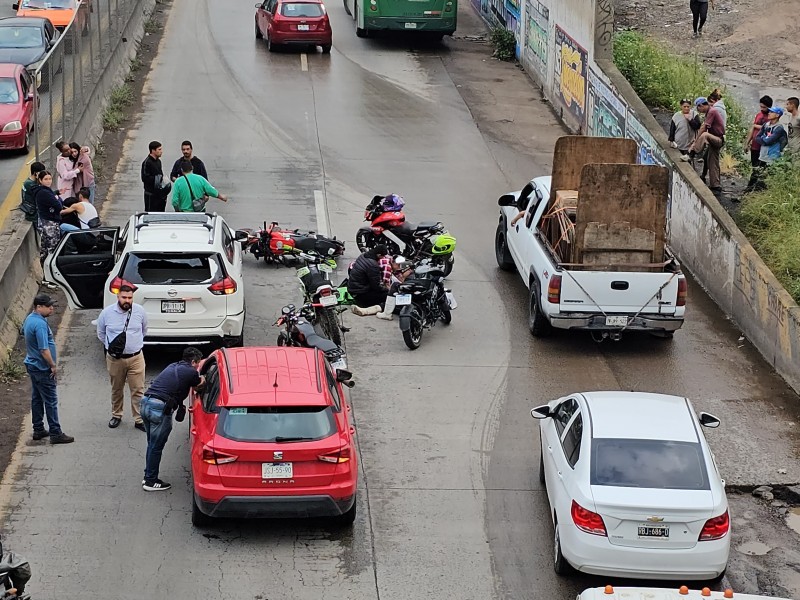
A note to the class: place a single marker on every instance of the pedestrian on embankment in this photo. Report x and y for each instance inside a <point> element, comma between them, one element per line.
<point>49,206</point>
<point>752,145</point>
<point>792,117</point>
<point>28,203</point>
<point>699,10</point>
<point>122,328</point>
<point>712,137</point>
<point>42,368</point>
<point>682,128</point>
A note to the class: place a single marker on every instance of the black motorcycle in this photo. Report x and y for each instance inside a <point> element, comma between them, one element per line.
<point>318,291</point>
<point>15,572</point>
<point>298,332</point>
<point>423,300</point>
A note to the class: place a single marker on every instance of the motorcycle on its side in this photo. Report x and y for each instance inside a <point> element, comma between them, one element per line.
<point>299,333</point>
<point>318,291</point>
<point>287,246</point>
<point>423,301</point>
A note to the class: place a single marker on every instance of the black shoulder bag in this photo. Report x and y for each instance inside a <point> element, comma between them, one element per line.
<point>116,347</point>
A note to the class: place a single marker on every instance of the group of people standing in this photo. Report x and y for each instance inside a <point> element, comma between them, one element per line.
<point>188,181</point>
<point>68,207</point>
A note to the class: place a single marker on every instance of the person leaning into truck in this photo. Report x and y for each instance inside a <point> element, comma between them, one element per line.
<point>712,135</point>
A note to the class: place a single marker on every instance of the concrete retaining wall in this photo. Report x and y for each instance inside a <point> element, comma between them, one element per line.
<point>565,47</point>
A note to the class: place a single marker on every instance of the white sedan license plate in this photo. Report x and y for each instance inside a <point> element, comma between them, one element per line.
<point>402,299</point>
<point>647,531</point>
<point>328,300</point>
<point>619,321</point>
<point>302,28</point>
<point>411,25</point>
<point>173,306</point>
<point>276,471</point>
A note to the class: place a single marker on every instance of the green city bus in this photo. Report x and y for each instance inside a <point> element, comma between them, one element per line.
<point>431,17</point>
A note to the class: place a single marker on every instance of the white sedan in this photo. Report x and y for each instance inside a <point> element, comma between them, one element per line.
<point>633,487</point>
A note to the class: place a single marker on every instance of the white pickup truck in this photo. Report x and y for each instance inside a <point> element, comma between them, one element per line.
<point>604,301</point>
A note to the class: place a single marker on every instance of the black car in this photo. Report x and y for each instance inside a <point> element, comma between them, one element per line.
<point>26,41</point>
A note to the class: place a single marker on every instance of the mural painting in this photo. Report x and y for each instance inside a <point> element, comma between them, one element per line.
<point>536,35</point>
<point>607,111</point>
<point>649,151</point>
<point>570,70</point>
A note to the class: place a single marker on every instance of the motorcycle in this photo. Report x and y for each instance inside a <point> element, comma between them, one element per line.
<point>388,226</point>
<point>423,301</point>
<point>284,246</point>
<point>299,333</point>
<point>319,293</point>
<point>15,572</point>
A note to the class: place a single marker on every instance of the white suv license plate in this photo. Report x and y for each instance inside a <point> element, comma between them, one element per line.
<point>619,321</point>
<point>276,471</point>
<point>328,300</point>
<point>173,306</point>
<point>402,299</point>
<point>646,531</point>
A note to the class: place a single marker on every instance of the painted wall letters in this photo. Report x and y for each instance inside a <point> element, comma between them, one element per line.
<point>570,71</point>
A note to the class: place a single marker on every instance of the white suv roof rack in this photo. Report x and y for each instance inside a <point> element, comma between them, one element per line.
<point>143,219</point>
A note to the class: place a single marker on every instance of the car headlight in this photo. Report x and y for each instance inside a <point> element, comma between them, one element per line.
<point>13,126</point>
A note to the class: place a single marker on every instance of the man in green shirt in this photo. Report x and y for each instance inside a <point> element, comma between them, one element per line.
<point>190,186</point>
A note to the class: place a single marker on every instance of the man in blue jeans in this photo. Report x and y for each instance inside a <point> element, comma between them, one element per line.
<point>164,397</point>
<point>40,362</point>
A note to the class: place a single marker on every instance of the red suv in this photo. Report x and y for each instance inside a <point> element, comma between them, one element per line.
<point>296,22</point>
<point>270,436</point>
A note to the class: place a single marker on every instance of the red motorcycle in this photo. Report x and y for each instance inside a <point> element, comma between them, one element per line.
<point>285,246</point>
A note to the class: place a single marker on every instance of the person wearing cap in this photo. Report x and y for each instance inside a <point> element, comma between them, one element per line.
<point>365,281</point>
<point>683,127</point>
<point>40,362</point>
<point>752,145</point>
<point>772,137</point>
<point>712,136</point>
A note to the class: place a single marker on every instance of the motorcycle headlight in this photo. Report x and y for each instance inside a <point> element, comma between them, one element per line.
<point>13,126</point>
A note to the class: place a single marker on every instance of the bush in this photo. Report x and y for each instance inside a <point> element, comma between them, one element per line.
<point>504,43</point>
<point>662,79</point>
<point>771,221</point>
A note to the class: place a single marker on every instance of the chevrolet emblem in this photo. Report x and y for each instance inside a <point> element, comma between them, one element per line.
<point>655,519</point>
<point>277,455</point>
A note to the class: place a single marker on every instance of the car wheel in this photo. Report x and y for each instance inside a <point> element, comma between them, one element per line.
<point>560,564</point>
<point>501,253</point>
<point>541,467</point>
<point>348,518</point>
<point>27,143</point>
<point>537,322</point>
<point>259,35</point>
<point>326,49</point>
<point>199,518</point>
<point>270,46</point>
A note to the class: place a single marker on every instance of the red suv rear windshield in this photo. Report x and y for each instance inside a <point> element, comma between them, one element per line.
<point>301,9</point>
<point>165,268</point>
<point>276,424</point>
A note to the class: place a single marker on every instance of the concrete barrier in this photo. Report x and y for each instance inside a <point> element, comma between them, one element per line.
<point>19,254</point>
<point>566,48</point>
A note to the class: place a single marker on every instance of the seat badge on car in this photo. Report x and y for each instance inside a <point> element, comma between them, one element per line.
<point>172,293</point>
<point>277,456</point>
<point>655,519</point>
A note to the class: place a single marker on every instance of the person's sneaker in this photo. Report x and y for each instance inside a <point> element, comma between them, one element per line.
<point>40,435</point>
<point>61,438</point>
<point>140,426</point>
<point>685,157</point>
<point>114,422</point>
<point>156,486</point>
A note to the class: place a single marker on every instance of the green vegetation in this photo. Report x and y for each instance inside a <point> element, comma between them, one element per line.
<point>152,25</point>
<point>11,369</point>
<point>771,221</point>
<point>662,79</point>
<point>121,98</point>
<point>504,43</point>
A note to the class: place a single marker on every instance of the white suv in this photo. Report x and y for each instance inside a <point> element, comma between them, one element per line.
<point>186,268</point>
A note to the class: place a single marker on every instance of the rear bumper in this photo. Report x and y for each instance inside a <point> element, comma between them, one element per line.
<point>598,322</point>
<point>231,327</point>
<point>446,25</point>
<point>276,506</point>
<point>300,38</point>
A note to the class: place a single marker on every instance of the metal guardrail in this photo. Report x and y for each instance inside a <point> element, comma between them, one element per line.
<point>71,71</point>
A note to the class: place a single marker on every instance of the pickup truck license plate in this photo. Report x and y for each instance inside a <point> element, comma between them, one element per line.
<point>276,470</point>
<point>411,25</point>
<point>402,299</point>
<point>617,321</point>
<point>173,306</point>
<point>328,300</point>
<point>653,532</point>
<point>302,28</point>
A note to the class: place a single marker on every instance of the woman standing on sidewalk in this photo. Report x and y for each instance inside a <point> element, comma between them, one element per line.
<point>49,205</point>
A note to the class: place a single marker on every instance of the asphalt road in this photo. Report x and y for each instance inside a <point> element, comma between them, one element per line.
<point>449,502</point>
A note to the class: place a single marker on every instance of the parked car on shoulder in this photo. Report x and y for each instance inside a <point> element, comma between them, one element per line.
<point>26,41</point>
<point>186,269</point>
<point>16,107</point>
<point>633,487</point>
<point>59,12</point>
<point>296,23</point>
<point>271,436</point>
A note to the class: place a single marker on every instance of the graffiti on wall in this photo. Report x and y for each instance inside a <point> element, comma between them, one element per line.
<point>570,70</point>
<point>513,24</point>
<point>536,35</point>
<point>607,111</point>
<point>498,10</point>
<point>649,151</point>
<point>603,29</point>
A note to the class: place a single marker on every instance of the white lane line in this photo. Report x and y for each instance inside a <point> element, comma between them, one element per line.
<point>304,62</point>
<point>323,227</point>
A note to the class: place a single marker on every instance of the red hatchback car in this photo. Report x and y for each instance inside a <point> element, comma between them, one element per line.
<point>270,436</point>
<point>294,22</point>
<point>16,107</point>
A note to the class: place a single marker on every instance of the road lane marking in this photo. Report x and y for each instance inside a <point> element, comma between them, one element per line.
<point>304,62</point>
<point>14,196</point>
<point>323,226</point>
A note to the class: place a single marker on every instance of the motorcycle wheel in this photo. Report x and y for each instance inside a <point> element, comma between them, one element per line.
<point>329,326</point>
<point>413,337</point>
<point>447,316</point>
<point>448,265</point>
<point>282,340</point>
<point>365,240</point>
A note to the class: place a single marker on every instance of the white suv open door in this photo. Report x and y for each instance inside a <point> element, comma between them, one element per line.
<point>81,263</point>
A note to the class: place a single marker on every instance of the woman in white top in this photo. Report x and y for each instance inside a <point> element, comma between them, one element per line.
<point>85,211</point>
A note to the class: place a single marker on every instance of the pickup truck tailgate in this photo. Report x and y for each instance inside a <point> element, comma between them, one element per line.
<point>628,293</point>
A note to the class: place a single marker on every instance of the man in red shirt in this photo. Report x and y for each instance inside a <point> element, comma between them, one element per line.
<point>752,145</point>
<point>712,134</point>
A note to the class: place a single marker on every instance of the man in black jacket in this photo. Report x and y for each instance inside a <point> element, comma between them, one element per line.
<point>365,281</point>
<point>155,192</point>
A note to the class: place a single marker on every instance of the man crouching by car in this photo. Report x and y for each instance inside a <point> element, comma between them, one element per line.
<point>165,396</point>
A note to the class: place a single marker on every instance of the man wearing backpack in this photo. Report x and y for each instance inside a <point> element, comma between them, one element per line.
<point>28,205</point>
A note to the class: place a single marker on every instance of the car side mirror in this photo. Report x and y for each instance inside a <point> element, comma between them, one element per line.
<point>507,200</point>
<point>15,6</point>
<point>240,235</point>
<point>707,420</point>
<point>541,412</point>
